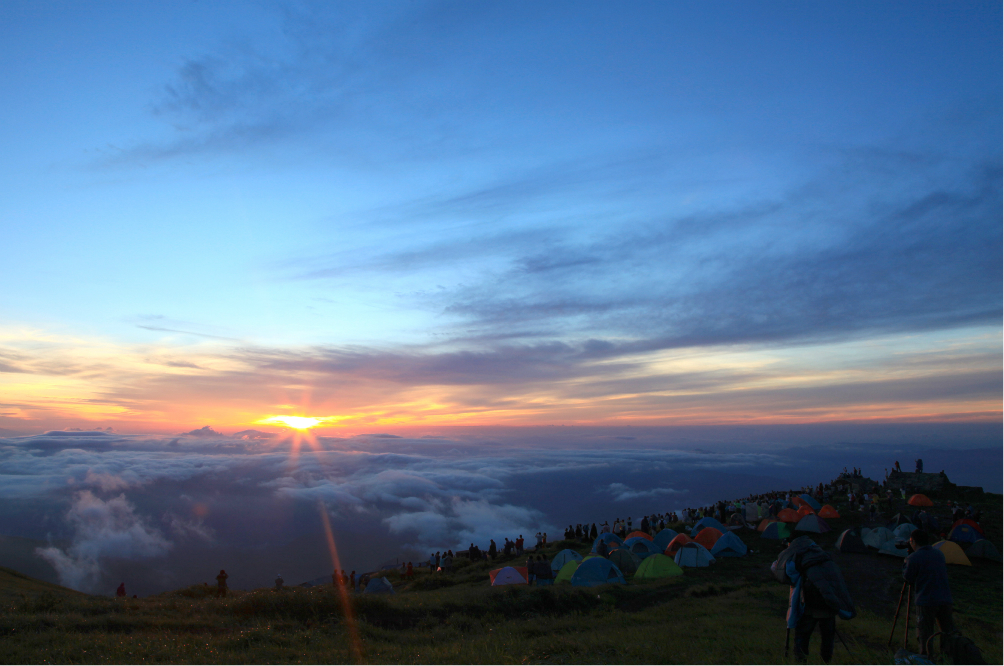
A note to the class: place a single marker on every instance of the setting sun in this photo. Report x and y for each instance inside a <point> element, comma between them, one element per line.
<point>297,422</point>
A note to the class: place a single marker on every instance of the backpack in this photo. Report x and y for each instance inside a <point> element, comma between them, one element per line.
<point>959,649</point>
<point>822,582</point>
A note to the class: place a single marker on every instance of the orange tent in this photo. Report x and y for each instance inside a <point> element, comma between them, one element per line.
<point>707,537</point>
<point>920,500</point>
<point>678,541</point>
<point>805,510</point>
<point>828,512</point>
<point>788,516</point>
<point>764,523</point>
<point>798,501</point>
<point>636,533</point>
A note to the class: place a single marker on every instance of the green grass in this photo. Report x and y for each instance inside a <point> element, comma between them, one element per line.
<point>731,612</point>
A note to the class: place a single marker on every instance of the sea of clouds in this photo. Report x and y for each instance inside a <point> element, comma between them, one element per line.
<point>92,509</point>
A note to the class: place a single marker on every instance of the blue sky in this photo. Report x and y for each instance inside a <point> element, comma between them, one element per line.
<point>495,196</point>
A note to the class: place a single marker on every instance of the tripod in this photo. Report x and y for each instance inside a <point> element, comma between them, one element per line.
<point>906,629</point>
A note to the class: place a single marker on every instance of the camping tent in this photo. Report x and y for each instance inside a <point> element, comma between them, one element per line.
<point>636,534</point>
<point>625,560</point>
<point>904,531</point>
<point>379,586</point>
<point>776,530</point>
<point>764,523</point>
<point>850,542</point>
<point>675,544</point>
<point>828,512</point>
<point>920,500</point>
<point>597,571</point>
<point>751,512</point>
<point>609,538</point>
<point>663,538</point>
<point>897,520</point>
<point>805,510</point>
<point>985,550</point>
<point>736,520</point>
<point>890,548</point>
<point>694,555</point>
<point>788,516</point>
<point>811,501</point>
<point>563,557</point>
<point>962,532</point>
<point>658,566</point>
<point>729,545</point>
<point>812,523</point>
<point>707,537</point>
<point>707,521</point>
<point>641,547</point>
<point>508,576</point>
<point>565,574</point>
<point>876,537</point>
<point>953,553</point>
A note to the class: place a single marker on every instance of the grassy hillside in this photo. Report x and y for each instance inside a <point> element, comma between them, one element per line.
<point>731,612</point>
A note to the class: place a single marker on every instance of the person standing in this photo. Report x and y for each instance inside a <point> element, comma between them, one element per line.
<point>926,571</point>
<point>221,583</point>
<point>120,592</point>
<point>278,582</point>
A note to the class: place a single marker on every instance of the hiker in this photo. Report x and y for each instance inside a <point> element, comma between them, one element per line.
<point>507,548</point>
<point>543,570</point>
<point>531,570</point>
<point>278,582</point>
<point>519,545</point>
<point>492,550</point>
<point>817,595</point>
<point>120,592</point>
<point>539,538</point>
<point>221,583</point>
<point>926,571</point>
<point>543,539</point>
<point>448,562</point>
<point>410,573</point>
<point>352,580</point>
<point>592,532</point>
<point>335,578</point>
<point>602,550</point>
<point>364,580</point>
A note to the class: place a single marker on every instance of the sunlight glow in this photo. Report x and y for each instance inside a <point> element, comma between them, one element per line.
<point>297,422</point>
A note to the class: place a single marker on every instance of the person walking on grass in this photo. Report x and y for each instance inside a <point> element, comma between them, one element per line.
<point>926,571</point>
<point>221,583</point>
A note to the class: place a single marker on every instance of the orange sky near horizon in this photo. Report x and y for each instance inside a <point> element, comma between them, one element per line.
<point>57,382</point>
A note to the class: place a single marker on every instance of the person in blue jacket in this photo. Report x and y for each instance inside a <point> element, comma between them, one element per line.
<point>926,571</point>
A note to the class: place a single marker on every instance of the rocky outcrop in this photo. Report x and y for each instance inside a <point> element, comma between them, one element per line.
<point>920,482</point>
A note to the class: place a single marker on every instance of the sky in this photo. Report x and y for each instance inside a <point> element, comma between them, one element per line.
<point>408,218</point>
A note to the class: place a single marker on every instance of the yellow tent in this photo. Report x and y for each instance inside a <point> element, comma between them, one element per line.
<point>953,553</point>
<point>565,574</point>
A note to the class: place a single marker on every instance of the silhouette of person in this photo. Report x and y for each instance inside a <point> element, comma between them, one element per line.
<point>221,583</point>
<point>121,591</point>
<point>278,582</point>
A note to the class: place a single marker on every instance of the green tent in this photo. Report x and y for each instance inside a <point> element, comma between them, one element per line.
<point>566,571</point>
<point>776,530</point>
<point>658,566</point>
<point>625,560</point>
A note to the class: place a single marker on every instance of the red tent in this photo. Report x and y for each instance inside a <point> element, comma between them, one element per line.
<point>509,577</point>
<point>788,516</point>
<point>678,542</point>
<point>707,537</point>
<point>636,533</point>
<point>920,500</point>
<point>828,512</point>
<point>805,510</point>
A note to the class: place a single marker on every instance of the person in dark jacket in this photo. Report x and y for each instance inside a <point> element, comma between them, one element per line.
<point>926,571</point>
<point>221,583</point>
<point>602,550</point>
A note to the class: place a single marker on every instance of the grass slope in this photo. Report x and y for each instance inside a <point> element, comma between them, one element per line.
<point>731,612</point>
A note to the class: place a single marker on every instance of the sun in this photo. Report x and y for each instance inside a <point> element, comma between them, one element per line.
<point>295,422</point>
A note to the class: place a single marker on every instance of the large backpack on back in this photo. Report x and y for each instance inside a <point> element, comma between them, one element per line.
<point>819,571</point>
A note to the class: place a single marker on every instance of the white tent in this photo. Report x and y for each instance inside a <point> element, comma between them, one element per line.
<point>904,531</point>
<point>693,555</point>
<point>379,586</point>
<point>876,537</point>
<point>889,548</point>
<point>508,576</point>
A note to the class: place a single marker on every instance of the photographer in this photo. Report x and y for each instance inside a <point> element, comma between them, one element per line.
<point>926,571</point>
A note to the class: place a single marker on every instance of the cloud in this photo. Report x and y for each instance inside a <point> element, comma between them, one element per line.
<point>622,493</point>
<point>102,529</point>
<point>204,431</point>
<point>465,521</point>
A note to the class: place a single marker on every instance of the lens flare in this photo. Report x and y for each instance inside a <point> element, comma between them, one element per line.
<point>296,422</point>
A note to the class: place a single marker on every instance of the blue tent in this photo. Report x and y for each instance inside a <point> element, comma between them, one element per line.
<point>729,545</point>
<point>776,530</point>
<point>816,506</point>
<point>663,538</point>
<point>708,522</point>
<point>962,533</point>
<point>597,571</point>
<point>642,547</point>
<point>563,558</point>
<point>607,537</point>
